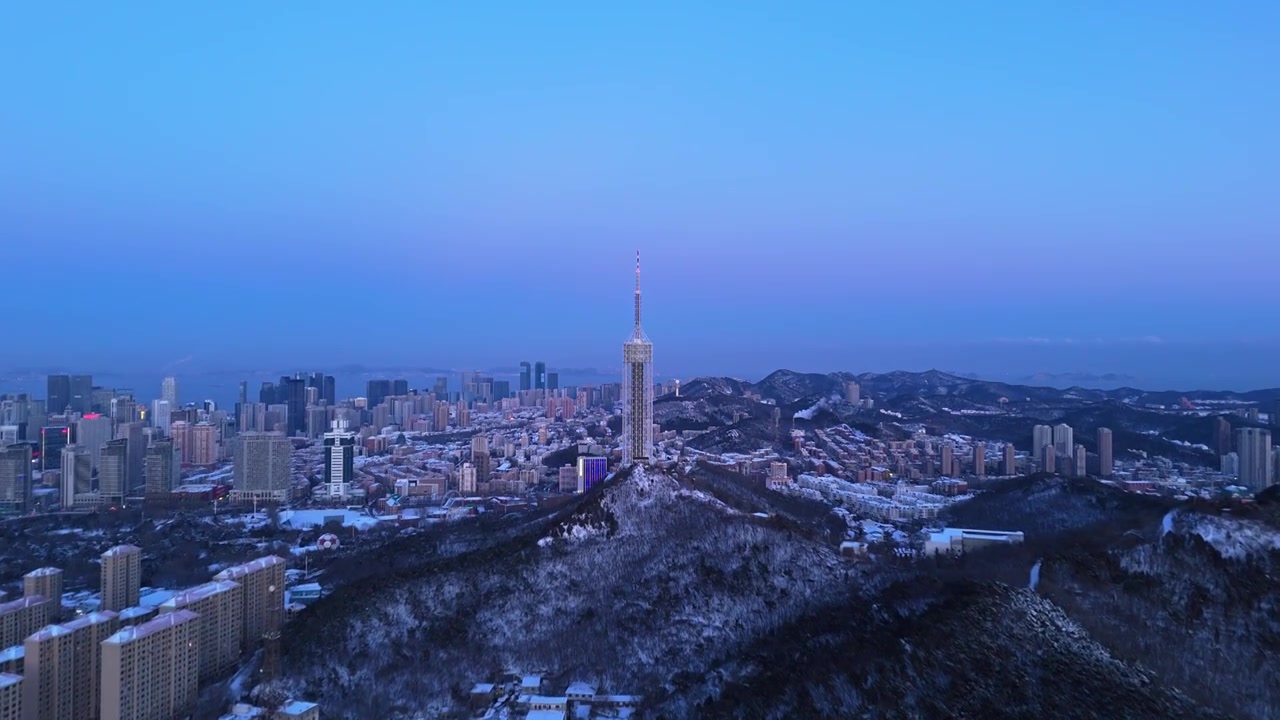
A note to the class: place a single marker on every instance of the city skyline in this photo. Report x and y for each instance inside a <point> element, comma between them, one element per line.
<point>847,188</point>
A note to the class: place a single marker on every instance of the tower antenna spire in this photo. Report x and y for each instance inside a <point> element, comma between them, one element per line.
<point>637,288</point>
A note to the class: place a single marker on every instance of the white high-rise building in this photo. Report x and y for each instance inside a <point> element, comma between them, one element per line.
<point>1254,445</point>
<point>1041,435</point>
<point>637,390</point>
<point>339,461</point>
<point>1064,443</point>
<point>161,414</point>
<point>169,391</point>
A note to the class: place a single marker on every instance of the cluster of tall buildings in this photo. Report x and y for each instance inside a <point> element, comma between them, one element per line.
<point>1054,450</point>
<point>120,664</point>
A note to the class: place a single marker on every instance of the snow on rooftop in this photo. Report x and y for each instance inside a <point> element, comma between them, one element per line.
<point>155,597</point>
<point>164,622</point>
<point>17,652</point>
<point>249,567</point>
<point>200,592</point>
<point>7,680</point>
<point>297,707</point>
<point>21,603</point>
<point>545,715</point>
<point>122,550</point>
<point>44,572</point>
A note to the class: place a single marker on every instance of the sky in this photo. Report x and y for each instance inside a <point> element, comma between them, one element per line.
<point>984,187</point>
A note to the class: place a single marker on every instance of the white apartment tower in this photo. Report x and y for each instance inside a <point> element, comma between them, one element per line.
<point>637,390</point>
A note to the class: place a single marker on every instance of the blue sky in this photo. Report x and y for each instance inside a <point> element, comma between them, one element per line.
<point>817,185</point>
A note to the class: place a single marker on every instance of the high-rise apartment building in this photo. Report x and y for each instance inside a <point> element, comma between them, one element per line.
<point>637,389</point>
<point>1106,463</point>
<point>467,483</point>
<point>1049,460</point>
<point>339,461</point>
<point>220,605</point>
<point>526,376</point>
<point>15,479</point>
<point>161,414</point>
<point>947,457</point>
<point>261,470</point>
<point>204,444</point>
<point>1080,460</point>
<point>63,668</point>
<point>169,391</point>
<point>980,459</point>
<point>480,457</point>
<point>1063,440</point>
<point>121,577</point>
<point>852,392</point>
<point>1010,460</point>
<point>180,432</point>
<point>10,696</point>
<point>1041,436</point>
<point>113,473</point>
<point>152,671</point>
<point>1254,448</point>
<point>47,583</point>
<point>263,606</point>
<point>162,469</point>
<point>19,618</point>
<point>441,416</point>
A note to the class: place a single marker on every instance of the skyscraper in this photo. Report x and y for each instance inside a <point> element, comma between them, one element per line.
<point>169,391</point>
<point>480,457</point>
<point>1106,463</point>
<point>339,461</point>
<point>1010,460</point>
<point>1254,447</point>
<point>113,472</point>
<point>1063,440</point>
<point>377,391</point>
<point>204,444</point>
<point>267,393</point>
<point>1221,435</point>
<point>52,440</point>
<point>152,670</point>
<point>58,394</point>
<point>526,377</point>
<point>539,375</point>
<point>77,474</point>
<point>81,400</point>
<point>293,393</point>
<point>15,478</point>
<point>553,381</point>
<point>161,468</point>
<point>92,433</point>
<point>980,459</point>
<point>400,386</point>
<point>1041,435</point>
<point>161,415</point>
<point>637,389</point>
<point>63,666</point>
<point>261,470</point>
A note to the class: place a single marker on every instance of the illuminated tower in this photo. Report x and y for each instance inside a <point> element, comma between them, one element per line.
<point>637,390</point>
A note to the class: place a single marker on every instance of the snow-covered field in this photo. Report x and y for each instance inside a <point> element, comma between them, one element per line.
<point>301,519</point>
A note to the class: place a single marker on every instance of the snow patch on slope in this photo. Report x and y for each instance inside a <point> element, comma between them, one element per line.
<point>1233,538</point>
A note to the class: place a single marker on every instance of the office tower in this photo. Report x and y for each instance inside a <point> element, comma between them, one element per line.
<point>169,391</point>
<point>77,475</point>
<point>980,459</point>
<point>593,470</point>
<point>162,470</point>
<point>161,414</point>
<point>113,474</point>
<point>1221,435</point>
<point>467,479</point>
<point>277,418</point>
<point>377,391</point>
<point>19,618</point>
<point>10,696</point>
<point>1079,465</point>
<point>946,460</point>
<point>263,606</point>
<point>243,397</point>
<point>312,397</point>
<point>267,393</point>
<point>339,461</point>
<point>317,420</point>
<point>92,433</point>
<point>15,480</point>
<point>122,410</point>
<point>204,444</point>
<point>262,466</point>
<point>220,606</point>
<point>1275,414</point>
<point>121,577</point>
<point>480,457</point>
<point>441,388</point>
<point>81,400</point>
<point>325,387</point>
<point>59,394</point>
<point>526,377</point>
<point>52,440</point>
<point>1255,457</point>
<point>501,389</point>
<point>135,434</point>
<point>293,393</point>
<point>1063,440</point>
<point>400,387</point>
<point>1049,459</point>
<point>1106,463</point>
<point>152,671</point>
<point>1041,435</point>
<point>553,381</point>
<point>63,668</point>
<point>45,582</point>
<point>1010,460</point>
<point>852,392</point>
<point>637,389</point>
<point>540,375</point>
